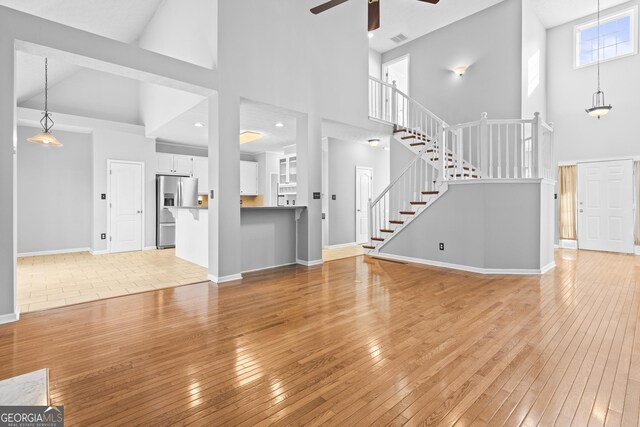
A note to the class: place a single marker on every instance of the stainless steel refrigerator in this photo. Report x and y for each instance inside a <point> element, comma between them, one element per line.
<point>172,191</point>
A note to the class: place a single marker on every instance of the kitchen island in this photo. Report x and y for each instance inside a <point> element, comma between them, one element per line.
<point>268,235</point>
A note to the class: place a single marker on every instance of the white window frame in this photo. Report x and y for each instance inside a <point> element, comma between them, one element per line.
<point>631,12</point>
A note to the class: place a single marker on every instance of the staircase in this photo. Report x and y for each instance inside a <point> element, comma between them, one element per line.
<point>485,149</point>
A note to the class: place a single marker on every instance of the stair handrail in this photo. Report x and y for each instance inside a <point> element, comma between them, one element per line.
<point>417,157</point>
<point>412,101</point>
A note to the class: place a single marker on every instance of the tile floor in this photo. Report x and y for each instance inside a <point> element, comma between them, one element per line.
<point>56,280</point>
<point>339,253</point>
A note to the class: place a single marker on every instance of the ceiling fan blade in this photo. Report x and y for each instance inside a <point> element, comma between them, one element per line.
<point>326,6</point>
<point>374,14</point>
<point>430,1</point>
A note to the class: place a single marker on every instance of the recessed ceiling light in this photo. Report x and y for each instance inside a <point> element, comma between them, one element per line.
<point>279,125</point>
<point>370,35</point>
<point>199,125</point>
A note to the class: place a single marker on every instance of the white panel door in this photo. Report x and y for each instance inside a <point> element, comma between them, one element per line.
<point>605,206</point>
<point>125,207</point>
<point>183,165</point>
<point>364,182</point>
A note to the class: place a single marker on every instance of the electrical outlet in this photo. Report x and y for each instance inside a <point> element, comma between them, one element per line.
<point>103,196</point>
<point>103,236</point>
<point>333,197</point>
<point>441,245</point>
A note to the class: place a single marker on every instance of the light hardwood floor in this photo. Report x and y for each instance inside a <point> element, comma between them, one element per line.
<point>353,342</point>
<point>57,280</point>
<point>340,253</point>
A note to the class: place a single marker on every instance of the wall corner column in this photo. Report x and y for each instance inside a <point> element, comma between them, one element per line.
<point>309,169</point>
<point>224,188</point>
<point>8,183</point>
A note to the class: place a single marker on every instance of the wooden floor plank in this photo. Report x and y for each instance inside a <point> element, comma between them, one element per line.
<point>357,342</point>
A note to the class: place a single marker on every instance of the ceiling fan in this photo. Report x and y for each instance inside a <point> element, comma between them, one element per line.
<point>374,10</point>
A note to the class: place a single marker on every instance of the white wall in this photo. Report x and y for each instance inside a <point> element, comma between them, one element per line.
<point>375,64</point>
<point>577,135</point>
<point>490,43</point>
<point>344,156</point>
<point>187,31</point>
<point>94,94</point>
<point>110,145</point>
<point>534,63</point>
<point>285,56</point>
<point>54,193</point>
<point>504,231</point>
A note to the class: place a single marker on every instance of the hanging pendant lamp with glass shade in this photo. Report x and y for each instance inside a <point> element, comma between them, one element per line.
<point>46,137</point>
<point>598,105</point>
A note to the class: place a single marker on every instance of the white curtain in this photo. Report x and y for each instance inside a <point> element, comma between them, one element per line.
<point>636,190</point>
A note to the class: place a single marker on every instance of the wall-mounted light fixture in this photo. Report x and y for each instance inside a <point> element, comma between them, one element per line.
<point>199,124</point>
<point>374,142</point>
<point>461,70</point>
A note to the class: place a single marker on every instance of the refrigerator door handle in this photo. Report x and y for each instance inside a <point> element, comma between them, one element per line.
<point>179,194</point>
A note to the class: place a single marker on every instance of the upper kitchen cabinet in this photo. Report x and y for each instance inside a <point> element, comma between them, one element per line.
<point>201,171</point>
<point>248,178</point>
<point>174,164</point>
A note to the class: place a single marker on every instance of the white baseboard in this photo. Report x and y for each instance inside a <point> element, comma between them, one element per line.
<point>54,252</point>
<point>470,269</point>
<point>224,279</point>
<point>569,244</point>
<point>8,318</point>
<point>105,252</point>
<point>269,268</point>
<point>342,245</point>
<point>309,263</point>
<point>149,248</point>
<point>637,250</point>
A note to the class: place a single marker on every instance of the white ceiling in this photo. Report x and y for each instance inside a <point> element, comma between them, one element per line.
<point>415,18</point>
<point>122,20</point>
<point>253,117</point>
<point>259,118</point>
<point>557,12</point>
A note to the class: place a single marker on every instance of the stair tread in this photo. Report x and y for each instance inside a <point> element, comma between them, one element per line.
<point>430,192</point>
<point>378,239</point>
<point>396,222</point>
<point>368,247</point>
<point>407,213</point>
<point>418,203</point>
<point>415,144</point>
<point>386,230</point>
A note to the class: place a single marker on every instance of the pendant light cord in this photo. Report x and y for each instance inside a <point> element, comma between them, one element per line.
<point>46,84</point>
<point>598,45</point>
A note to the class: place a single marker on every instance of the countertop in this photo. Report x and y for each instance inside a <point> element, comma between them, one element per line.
<point>244,207</point>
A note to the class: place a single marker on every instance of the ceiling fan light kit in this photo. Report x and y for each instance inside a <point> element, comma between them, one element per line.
<point>373,11</point>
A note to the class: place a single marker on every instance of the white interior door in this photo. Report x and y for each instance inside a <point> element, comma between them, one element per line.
<point>397,71</point>
<point>364,183</point>
<point>125,206</point>
<point>605,206</point>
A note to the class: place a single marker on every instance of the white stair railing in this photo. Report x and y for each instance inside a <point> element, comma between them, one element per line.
<point>406,194</point>
<point>490,149</point>
<point>499,149</point>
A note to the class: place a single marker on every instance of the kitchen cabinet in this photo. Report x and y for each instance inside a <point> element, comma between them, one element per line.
<point>248,178</point>
<point>288,174</point>
<point>201,171</point>
<point>174,164</point>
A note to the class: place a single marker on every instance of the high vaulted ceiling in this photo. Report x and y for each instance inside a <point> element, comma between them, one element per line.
<point>122,20</point>
<point>557,12</point>
<point>415,19</point>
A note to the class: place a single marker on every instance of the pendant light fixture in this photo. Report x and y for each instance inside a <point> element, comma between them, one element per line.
<point>599,107</point>
<point>46,137</point>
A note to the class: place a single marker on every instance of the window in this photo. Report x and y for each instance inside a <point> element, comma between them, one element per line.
<point>618,38</point>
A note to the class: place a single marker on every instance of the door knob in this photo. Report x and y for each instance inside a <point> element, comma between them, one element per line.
<point>139,212</point>
<point>580,211</point>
